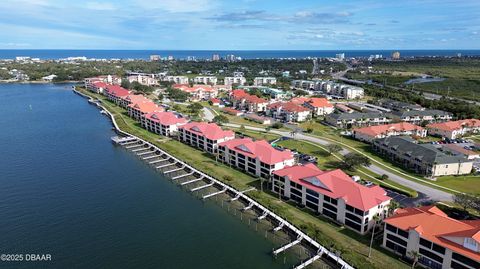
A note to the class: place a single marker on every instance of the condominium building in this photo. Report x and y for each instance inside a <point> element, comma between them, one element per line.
<point>259,81</point>
<point>319,106</point>
<point>203,135</point>
<point>207,80</point>
<point>143,79</point>
<point>288,112</point>
<point>424,159</point>
<point>139,109</point>
<point>441,241</point>
<point>420,116</point>
<point>245,101</point>
<point>454,129</point>
<point>356,119</point>
<point>176,79</point>
<point>329,87</point>
<point>132,98</point>
<point>257,158</point>
<point>97,87</point>
<point>115,93</point>
<point>163,123</point>
<point>367,134</point>
<point>333,194</point>
<point>235,80</point>
<point>108,79</point>
<point>198,92</point>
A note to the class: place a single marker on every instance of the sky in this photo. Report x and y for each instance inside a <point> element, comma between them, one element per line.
<point>240,24</point>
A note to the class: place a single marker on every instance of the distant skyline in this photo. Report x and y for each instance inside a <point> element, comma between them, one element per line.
<point>239,25</point>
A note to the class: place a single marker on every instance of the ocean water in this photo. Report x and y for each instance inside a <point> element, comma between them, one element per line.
<point>65,190</point>
<point>207,54</point>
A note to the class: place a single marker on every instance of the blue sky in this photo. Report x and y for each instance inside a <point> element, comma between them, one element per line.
<point>240,24</point>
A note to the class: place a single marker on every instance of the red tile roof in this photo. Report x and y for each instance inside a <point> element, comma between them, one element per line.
<point>260,149</point>
<point>319,102</point>
<point>166,118</point>
<point>117,91</point>
<point>146,107</point>
<point>288,106</point>
<point>436,226</point>
<point>299,100</point>
<point>255,99</point>
<point>382,129</point>
<point>209,130</point>
<point>194,88</point>
<point>100,84</point>
<point>215,100</point>
<point>238,94</point>
<point>242,94</point>
<point>335,184</point>
<point>135,98</point>
<point>454,125</point>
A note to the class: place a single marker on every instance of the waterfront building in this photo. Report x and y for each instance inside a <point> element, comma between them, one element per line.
<point>421,116</point>
<point>147,80</point>
<point>235,80</point>
<point>257,158</point>
<point>441,241</point>
<point>132,98</point>
<point>155,58</point>
<point>396,55</point>
<point>288,112</point>
<point>356,119</point>
<point>259,81</point>
<point>367,134</point>
<point>454,129</point>
<point>163,123</point>
<point>424,159</point>
<point>205,136</point>
<point>115,93</point>
<point>107,79</point>
<point>198,92</point>
<point>97,87</point>
<point>340,56</point>
<point>176,79</point>
<point>207,80</point>
<point>139,109</point>
<point>333,194</point>
<point>215,57</point>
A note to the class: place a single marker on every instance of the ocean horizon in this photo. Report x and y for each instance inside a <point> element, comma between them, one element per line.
<point>51,54</point>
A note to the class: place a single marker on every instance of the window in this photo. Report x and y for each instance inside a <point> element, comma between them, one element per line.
<point>431,255</point>
<point>397,240</point>
<point>396,248</point>
<point>465,260</point>
<point>470,243</point>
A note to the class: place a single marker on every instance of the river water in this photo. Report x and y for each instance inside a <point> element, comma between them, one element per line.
<point>65,190</point>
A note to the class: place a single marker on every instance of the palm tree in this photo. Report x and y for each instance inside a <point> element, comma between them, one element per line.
<point>376,218</point>
<point>392,207</point>
<point>415,256</point>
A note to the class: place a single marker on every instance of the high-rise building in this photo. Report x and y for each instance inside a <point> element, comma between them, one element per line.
<point>396,55</point>
<point>215,57</point>
<point>340,56</point>
<point>155,58</point>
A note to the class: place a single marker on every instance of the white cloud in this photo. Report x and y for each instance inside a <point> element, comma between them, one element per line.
<point>176,6</point>
<point>102,6</point>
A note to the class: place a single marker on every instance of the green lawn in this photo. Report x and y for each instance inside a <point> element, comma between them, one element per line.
<point>470,184</point>
<point>354,247</point>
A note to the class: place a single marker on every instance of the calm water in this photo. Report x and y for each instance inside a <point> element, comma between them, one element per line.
<point>65,190</point>
<point>203,54</point>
